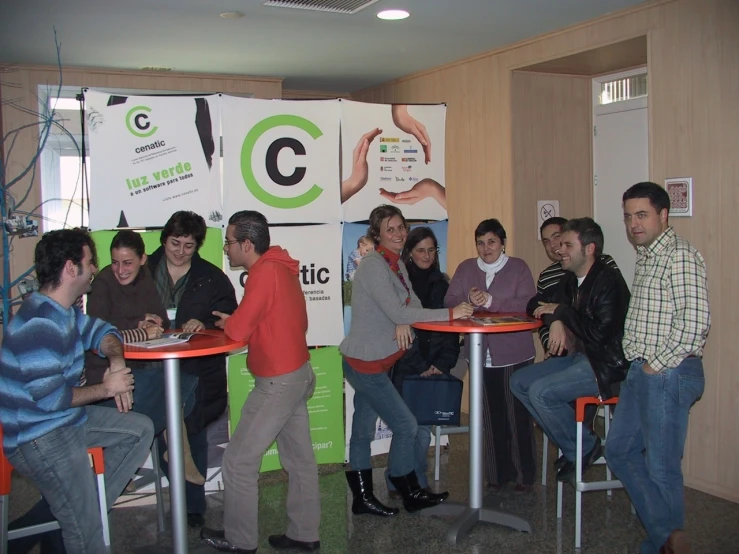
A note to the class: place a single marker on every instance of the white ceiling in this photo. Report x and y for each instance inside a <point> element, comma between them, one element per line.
<point>311,50</point>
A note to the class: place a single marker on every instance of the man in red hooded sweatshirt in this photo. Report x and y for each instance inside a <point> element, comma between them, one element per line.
<point>273,319</point>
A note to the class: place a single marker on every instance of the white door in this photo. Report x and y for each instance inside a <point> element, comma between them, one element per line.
<point>620,159</point>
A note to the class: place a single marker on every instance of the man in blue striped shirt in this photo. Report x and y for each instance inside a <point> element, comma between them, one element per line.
<point>47,421</point>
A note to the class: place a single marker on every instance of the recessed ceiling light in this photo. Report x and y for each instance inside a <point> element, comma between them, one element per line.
<point>393,15</point>
<point>232,15</point>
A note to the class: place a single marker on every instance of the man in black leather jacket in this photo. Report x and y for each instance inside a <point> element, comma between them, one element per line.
<point>588,321</point>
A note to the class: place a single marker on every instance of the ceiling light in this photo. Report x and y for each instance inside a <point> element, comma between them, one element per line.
<point>393,15</point>
<point>232,15</point>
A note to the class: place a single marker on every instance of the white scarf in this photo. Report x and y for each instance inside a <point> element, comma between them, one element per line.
<point>491,269</point>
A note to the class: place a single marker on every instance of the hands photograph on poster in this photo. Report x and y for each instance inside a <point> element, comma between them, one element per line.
<point>393,154</point>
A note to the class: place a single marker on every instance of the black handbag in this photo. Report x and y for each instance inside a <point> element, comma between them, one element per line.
<point>434,400</point>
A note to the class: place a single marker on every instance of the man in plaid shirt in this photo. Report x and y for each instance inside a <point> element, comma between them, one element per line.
<point>665,332</point>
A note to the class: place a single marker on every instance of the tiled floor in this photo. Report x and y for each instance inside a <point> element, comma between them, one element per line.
<point>608,526</point>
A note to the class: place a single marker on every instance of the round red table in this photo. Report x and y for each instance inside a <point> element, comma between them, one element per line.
<point>475,510</point>
<point>204,343</point>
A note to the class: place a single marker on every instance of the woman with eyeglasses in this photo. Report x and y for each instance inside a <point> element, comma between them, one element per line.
<point>191,289</point>
<point>431,353</point>
<point>383,307</point>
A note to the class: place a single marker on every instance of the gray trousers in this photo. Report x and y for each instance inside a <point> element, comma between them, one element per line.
<point>275,409</point>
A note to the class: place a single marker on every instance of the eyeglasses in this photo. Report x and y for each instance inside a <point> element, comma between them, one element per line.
<point>227,243</point>
<point>429,251</point>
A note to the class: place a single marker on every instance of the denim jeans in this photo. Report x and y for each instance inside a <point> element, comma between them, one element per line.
<point>646,442</point>
<point>149,396</point>
<point>375,395</point>
<point>547,388</point>
<point>59,466</point>
<point>421,452</point>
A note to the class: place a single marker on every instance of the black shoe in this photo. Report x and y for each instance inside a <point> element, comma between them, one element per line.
<point>414,497</point>
<point>216,538</point>
<point>283,542</point>
<point>365,502</point>
<point>560,462</point>
<point>567,473</point>
<point>195,520</point>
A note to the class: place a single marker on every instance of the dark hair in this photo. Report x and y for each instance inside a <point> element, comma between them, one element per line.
<point>588,232</point>
<point>658,197</point>
<point>252,226</point>
<point>490,226</point>
<point>556,220</point>
<point>55,249</point>
<point>129,239</point>
<point>416,235</point>
<point>377,216</point>
<point>185,224</point>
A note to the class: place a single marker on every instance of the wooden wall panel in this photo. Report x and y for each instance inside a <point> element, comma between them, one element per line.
<point>552,143</point>
<point>693,62</point>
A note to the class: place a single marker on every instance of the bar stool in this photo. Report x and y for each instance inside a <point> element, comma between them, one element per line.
<point>582,486</point>
<point>98,465</point>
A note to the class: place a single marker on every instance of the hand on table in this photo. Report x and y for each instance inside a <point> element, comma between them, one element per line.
<point>406,122</point>
<point>360,170</point>
<point>153,331</point>
<point>403,336</point>
<point>425,188</point>
<point>462,310</point>
<point>221,323</point>
<point>193,326</point>
<point>545,308</point>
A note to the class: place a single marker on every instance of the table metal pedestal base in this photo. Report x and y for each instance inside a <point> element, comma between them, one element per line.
<point>466,517</point>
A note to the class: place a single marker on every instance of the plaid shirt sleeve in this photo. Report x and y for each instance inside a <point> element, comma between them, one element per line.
<point>691,318</point>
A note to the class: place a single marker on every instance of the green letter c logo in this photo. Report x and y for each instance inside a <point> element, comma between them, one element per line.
<point>247,150</point>
<point>138,123</point>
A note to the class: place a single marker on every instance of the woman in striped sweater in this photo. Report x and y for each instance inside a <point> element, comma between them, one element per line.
<point>125,294</point>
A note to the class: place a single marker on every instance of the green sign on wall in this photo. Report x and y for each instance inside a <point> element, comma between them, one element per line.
<point>325,408</point>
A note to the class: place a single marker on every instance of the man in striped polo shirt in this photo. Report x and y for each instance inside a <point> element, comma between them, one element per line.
<point>546,286</point>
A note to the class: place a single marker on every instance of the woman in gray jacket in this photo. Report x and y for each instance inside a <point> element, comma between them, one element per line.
<point>383,307</point>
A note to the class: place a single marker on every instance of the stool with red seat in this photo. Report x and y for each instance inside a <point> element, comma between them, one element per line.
<point>582,486</point>
<point>98,465</point>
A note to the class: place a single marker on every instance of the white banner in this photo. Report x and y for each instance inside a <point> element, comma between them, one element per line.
<point>281,158</point>
<point>318,249</point>
<point>152,156</point>
<point>393,155</point>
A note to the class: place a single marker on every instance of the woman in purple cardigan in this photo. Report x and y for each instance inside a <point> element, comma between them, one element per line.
<point>495,282</point>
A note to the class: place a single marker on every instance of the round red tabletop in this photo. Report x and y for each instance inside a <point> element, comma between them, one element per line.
<point>204,343</point>
<point>487,323</point>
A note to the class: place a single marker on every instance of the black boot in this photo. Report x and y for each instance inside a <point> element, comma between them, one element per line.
<point>360,483</point>
<point>414,497</point>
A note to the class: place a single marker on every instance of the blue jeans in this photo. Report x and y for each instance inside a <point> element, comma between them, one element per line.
<point>375,395</point>
<point>421,452</point>
<point>149,396</point>
<point>59,466</point>
<point>646,441</point>
<point>547,388</point>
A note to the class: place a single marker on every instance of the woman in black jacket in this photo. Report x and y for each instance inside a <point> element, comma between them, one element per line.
<point>191,288</point>
<point>430,353</point>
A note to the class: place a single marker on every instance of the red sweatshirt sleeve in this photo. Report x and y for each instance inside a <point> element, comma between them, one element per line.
<point>256,304</point>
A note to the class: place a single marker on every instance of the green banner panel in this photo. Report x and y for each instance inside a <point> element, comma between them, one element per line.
<point>325,408</point>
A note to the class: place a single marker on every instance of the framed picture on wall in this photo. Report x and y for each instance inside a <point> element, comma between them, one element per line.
<point>680,190</point>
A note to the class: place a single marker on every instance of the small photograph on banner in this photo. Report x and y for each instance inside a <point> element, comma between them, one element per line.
<point>152,156</point>
<point>317,248</point>
<point>393,154</point>
<point>325,408</point>
<point>281,158</point>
